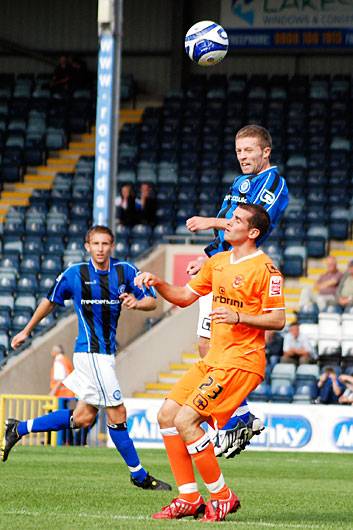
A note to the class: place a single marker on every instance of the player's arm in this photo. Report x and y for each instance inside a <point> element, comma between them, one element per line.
<point>181,296</point>
<point>45,307</point>
<point>275,319</point>
<point>206,223</point>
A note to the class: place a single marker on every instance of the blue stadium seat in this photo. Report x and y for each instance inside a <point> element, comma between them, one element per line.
<point>25,302</point>
<point>27,283</point>
<point>141,232</point>
<point>46,282</point>
<point>7,283</point>
<point>138,248</point>
<point>304,394</point>
<point>30,263</point>
<point>33,244</point>
<point>51,265</point>
<point>122,250</point>
<point>7,301</point>
<point>282,393</point>
<point>5,321</point>
<point>261,393</point>
<point>54,245</point>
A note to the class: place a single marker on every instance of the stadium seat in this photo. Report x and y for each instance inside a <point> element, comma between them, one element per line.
<point>138,248</point>
<point>261,393</point>
<point>304,394</point>
<point>283,372</point>
<point>307,374</point>
<point>7,301</point>
<point>27,284</point>
<point>30,263</point>
<point>4,342</point>
<point>329,326</point>
<point>52,265</point>
<point>122,250</point>
<point>7,283</point>
<point>308,314</point>
<point>25,302</point>
<point>294,261</point>
<point>282,392</point>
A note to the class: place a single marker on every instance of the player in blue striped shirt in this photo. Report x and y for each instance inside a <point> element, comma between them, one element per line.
<point>259,183</point>
<point>99,289</point>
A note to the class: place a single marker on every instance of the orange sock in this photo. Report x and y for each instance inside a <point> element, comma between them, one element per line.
<point>202,453</point>
<point>181,465</point>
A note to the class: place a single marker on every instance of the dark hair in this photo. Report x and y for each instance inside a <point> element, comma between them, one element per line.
<point>99,229</point>
<point>259,218</point>
<point>255,131</point>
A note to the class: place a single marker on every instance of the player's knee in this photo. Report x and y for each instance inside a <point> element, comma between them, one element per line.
<point>165,417</point>
<point>82,419</point>
<point>203,345</point>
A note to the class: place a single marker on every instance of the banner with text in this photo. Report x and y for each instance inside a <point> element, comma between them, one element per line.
<point>105,83</point>
<point>289,427</point>
<point>288,24</point>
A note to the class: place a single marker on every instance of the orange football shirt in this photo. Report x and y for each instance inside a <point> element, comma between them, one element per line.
<point>250,285</point>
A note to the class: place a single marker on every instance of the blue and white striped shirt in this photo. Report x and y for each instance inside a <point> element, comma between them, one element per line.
<point>95,294</point>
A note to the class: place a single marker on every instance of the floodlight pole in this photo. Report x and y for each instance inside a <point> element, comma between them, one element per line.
<point>110,15</point>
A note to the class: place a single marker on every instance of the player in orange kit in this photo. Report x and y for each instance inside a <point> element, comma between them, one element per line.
<point>247,299</point>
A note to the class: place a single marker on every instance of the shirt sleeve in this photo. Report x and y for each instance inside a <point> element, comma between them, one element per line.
<point>61,290</point>
<point>138,293</point>
<point>201,284</point>
<point>272,288</point>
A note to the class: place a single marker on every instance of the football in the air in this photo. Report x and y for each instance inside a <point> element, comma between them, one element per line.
<point>206,43</point>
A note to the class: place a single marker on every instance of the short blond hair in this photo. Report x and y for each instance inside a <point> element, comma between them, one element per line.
<point>255,131</point>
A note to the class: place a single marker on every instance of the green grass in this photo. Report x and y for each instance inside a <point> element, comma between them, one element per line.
<point>88,488</point>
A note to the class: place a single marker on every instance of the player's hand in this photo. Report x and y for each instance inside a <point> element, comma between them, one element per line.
<point>194,266</point>
<point>128,301</point>
<point>19,339</point>
<point>146,279</point>
<point>223,315</point>
<point>197,223</point>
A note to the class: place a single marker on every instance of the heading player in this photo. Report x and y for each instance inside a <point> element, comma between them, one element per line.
<point>247,299</point>
<point>99,289</point>
<point>260,183</point>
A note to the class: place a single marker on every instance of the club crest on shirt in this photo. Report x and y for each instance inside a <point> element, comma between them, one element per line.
<point>275,286</point>
<point>272,268</point>
<point>122,288</point>
<point>244,186</point>
<point>238,281</point>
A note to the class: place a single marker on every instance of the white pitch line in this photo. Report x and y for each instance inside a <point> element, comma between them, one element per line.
<point>264,524</point>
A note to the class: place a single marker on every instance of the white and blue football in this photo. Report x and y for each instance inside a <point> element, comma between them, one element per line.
<point>206,43</point>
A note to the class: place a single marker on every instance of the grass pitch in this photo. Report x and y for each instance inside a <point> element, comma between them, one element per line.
<point>88,488</point>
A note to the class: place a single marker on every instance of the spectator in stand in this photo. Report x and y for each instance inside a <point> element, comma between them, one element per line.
<point>329,387</point>
<point>62,367</point>
<point>128,210</point>
<point>296,346</point>
<point>345,288</point>
<point>62,76</point>
<point>347,397</point>
<point>274,346</point>
<point>325,287</point>
<point>148,204</point>
<point>80,74</point>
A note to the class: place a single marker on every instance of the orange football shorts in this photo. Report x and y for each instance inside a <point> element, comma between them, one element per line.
<point>214,392</point>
